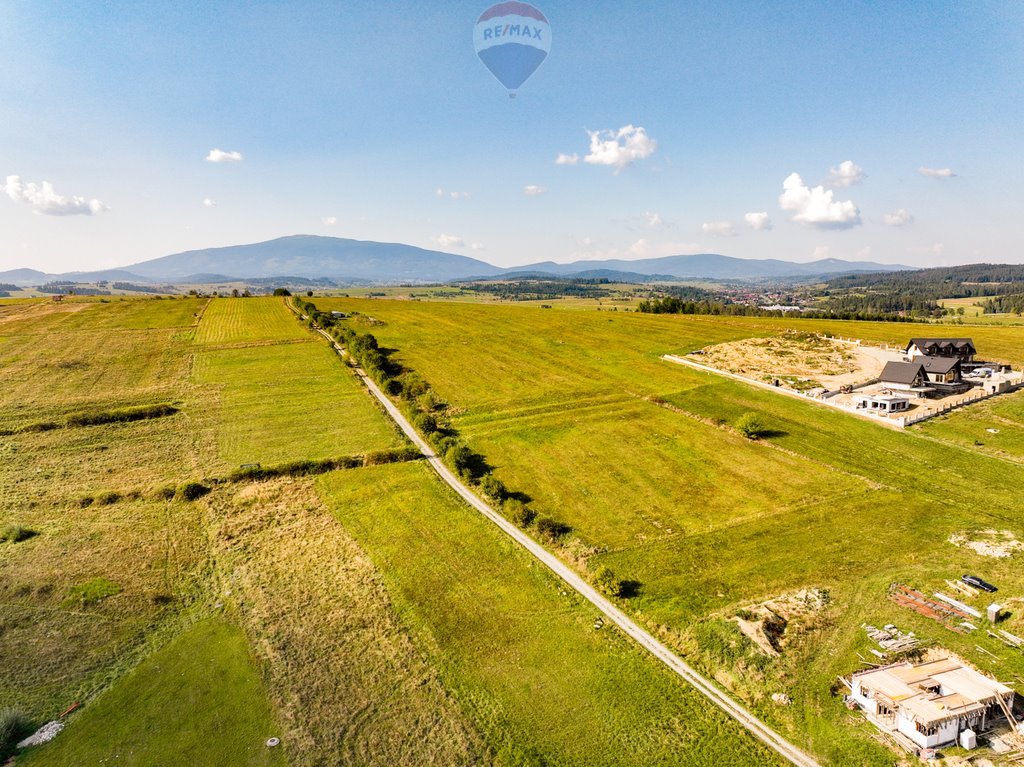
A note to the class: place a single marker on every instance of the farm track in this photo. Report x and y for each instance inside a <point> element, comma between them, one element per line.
<point>723,701</point>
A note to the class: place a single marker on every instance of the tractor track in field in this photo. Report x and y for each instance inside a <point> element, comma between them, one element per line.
<point>702,684</point>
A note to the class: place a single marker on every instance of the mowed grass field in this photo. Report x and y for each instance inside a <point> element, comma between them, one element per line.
<point>277,393</point>
<point>575,410</point>
<point>524,658</point>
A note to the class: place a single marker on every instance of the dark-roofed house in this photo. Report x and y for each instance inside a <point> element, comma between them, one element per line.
<point>904,375</point>
<point>943,370</point>
<point>961,348</point>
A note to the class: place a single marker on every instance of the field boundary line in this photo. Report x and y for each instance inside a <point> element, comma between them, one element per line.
<point>661,652</point>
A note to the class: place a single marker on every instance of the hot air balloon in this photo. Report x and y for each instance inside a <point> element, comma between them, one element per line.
<point>512,39</point>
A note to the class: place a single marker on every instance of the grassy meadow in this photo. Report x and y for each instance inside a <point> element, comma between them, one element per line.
<point>542,681</point>
<point>368,617</point>
<point>575,410</point>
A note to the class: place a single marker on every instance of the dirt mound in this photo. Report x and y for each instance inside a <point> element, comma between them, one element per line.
<point>798,360</point>
<point>766,623</point>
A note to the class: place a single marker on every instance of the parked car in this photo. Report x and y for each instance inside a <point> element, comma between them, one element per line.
<point>978,583</point>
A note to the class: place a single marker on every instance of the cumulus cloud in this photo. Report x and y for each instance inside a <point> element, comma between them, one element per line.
<point>620,148</point>
<point>815,207</point>
<point>219,155</point>
<point>477,246</point>
<point>207,202</point>
<point>44,199</point>
<point>644,248</point>
<point>567,159</point>
<point>719,228</point>
<point>898,218</point>
<point>532,190</point>
<point>758,221</point>
<point>847,174</point>
<point>329,220</point>
<point>450,241</point>
<point>936,172</point>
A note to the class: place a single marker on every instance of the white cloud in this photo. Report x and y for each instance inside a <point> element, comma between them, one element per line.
<point>450,241</point>
<point>620,148</point>
<point>567,159</point>
<point>439,192</point>
<point>329,220</point>
<point>936,172</point>
<point>477,246</point>
<point>758,221</point>
<point>719,228</point>
<point>898,218</point>
<point>653,220</point>
<point>45,200</point>
<point>532,190</point>
<point>219,155</point>
<point>209,203</point>
<point>816,207</point>
<point>847,174</point>
<point>821,252</point>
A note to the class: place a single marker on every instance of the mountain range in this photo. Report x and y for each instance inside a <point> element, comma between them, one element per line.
<point>357,261</point>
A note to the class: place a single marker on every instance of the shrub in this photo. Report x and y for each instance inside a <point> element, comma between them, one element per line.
<point>85,500</point>
<point>752,426</point>
<point>551,528</point>
<point>16,533</point>
<point>607,582</point>
<point>425,423</point>
<point>14,725</point>
<point>90,592</point>
<point>191,491</point>
<point>164,493</point>
<point>282,292</point>
<point>493,487</point>
<point>519,513</point>
<point>105,499</point>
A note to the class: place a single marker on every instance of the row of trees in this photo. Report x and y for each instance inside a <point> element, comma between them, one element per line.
<point>430,418</point>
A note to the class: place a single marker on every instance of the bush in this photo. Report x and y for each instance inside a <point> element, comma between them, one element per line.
<point>282,292</point>
<point>85,500</point>
<point>164,493</point>
<point>493,487</point>
<point>91,592</point>
<point>752,426</point>
<point>16,534</point>
<point>551,529</point>
<point>607,582</point>
<point>425,423</point>
<point>192,491</point>
<point>14,725</point>
<point>519,513</point>
<point>105,499</point>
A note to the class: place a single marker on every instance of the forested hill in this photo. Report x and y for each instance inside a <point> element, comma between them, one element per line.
<point>918,292</point>
<point>972,279</point>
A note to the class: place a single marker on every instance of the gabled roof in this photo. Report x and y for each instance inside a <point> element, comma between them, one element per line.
<point>902,372</point>
<point>956,343</point>
<point>940,365</point>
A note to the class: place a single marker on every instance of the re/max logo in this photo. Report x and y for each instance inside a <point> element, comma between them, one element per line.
<point>512,30</point>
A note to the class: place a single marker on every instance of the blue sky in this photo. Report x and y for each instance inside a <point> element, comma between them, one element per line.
<point>350,117</point>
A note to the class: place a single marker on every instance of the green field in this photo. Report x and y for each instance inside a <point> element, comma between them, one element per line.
<point>522,656</point>
<point>567,407</point>
<point>196,701</point>
<point>382,621</point>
